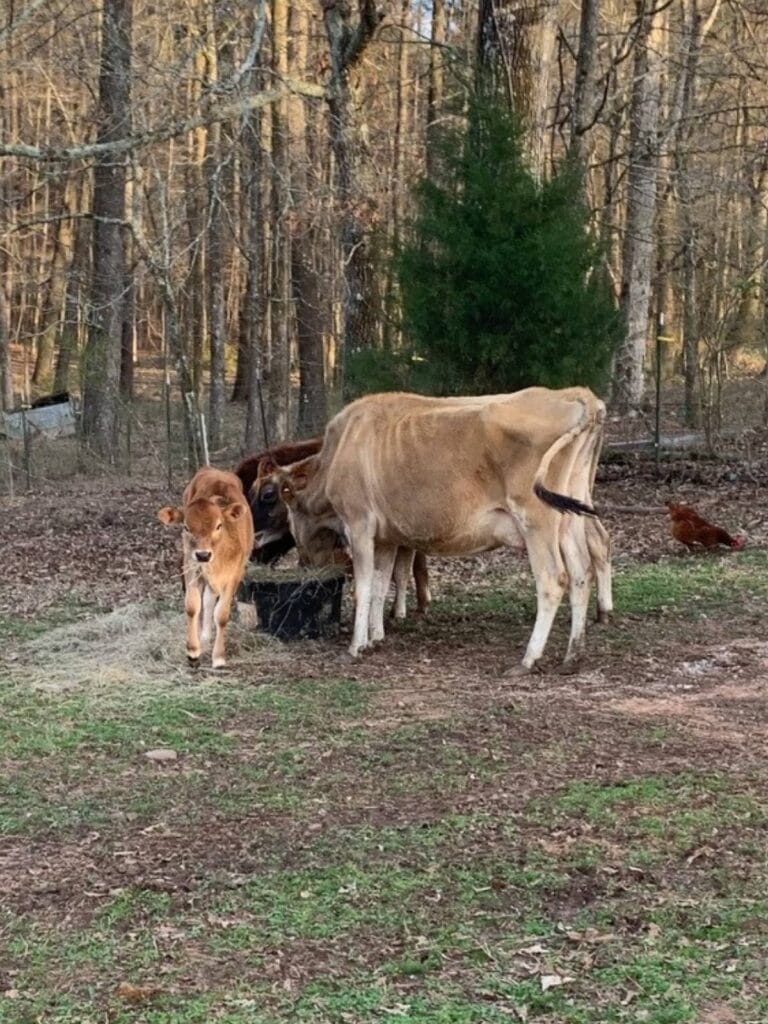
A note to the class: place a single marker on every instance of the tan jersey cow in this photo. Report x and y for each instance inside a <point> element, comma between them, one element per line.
<point>460,476</point>
<point>218,538</point>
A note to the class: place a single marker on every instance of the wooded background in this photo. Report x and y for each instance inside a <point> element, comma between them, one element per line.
<point>214,186</point>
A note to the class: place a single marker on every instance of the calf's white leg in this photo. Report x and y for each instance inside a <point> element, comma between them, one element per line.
<point>192,605</point>
<point>221,615</point>
<point>206,630</point>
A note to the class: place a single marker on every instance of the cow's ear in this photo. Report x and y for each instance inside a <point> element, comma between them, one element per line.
<point>299,480</point>
<point>235,510</point>
<point>169,515</point>
<point>266,466</point>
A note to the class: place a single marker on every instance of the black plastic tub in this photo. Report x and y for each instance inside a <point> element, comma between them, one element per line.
<point>307,608</point>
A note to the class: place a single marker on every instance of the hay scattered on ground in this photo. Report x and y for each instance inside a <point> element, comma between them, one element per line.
<point>138,645</point>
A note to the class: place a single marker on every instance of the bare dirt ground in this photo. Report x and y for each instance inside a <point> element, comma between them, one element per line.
<point>435,731</point>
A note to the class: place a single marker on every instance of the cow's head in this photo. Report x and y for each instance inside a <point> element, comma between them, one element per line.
<point>283,491</point>
<point>204,522</point>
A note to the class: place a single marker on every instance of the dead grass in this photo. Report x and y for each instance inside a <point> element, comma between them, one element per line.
<point>138,647</point>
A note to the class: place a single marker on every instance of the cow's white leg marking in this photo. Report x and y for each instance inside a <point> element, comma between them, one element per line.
<point>363,561</point>
<point>549,573</point>
<point>384,559</point>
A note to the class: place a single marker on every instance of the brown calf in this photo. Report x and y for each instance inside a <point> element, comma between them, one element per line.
<point>217,541</point>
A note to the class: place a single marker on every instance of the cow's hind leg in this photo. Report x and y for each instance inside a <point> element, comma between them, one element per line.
<point>421,579</point>
<point>363,560</point>
<point>599,544</point>
<point>403,564</point>
<point>550,575</point>
<point>192,605</point>
<point>383,562</point>
<point>578,564</point>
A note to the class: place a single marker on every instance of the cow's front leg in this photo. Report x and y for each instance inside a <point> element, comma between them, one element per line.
<point>192,605</point>
<point>383,562</point>
<point>221,615</point>
<point>363,560</point>
<point>550,575</point>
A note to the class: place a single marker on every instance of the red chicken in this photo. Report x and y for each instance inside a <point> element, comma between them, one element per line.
<point>690,529</point>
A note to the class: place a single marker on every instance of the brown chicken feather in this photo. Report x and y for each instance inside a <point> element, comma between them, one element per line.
<point>690,529</point>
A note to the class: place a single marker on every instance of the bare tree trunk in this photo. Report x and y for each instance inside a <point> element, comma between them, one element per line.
<point>213,172</point>
<point>6,372</point>
<point>638,267</point>
<point>253,164</point>
<point>280,310</point>
<point>584,106</point>
<point>101,373</point>
<point>436,78</point>
<point>346,44</point>
<point>307,293</point>
<point>75,289</point>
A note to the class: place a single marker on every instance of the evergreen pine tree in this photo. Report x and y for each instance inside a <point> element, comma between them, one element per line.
<point>501,283</point>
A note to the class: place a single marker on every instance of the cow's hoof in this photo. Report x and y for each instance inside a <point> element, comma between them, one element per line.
<point>603,617</point>
<point>193,662</point>
<point>570,667</point>
<point>523,671</point>
<point>218,662</point>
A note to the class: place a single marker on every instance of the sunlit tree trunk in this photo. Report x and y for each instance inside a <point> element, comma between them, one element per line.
<point>101,372</point>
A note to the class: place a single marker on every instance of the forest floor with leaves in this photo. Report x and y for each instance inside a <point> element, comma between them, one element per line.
<point>412,836</point>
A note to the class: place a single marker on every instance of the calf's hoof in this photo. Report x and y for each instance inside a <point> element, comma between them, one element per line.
<point>569,667</point>
<point>219,662</point>
<point>193,662</point>
<point>603,616</point>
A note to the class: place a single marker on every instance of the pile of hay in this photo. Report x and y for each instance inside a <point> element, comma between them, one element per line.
<point>134,646</point>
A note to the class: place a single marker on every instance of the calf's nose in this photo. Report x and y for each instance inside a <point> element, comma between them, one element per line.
<point>203,556</point>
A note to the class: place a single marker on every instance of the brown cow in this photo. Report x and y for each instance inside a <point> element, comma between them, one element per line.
<point>217,541</point>
<point>273,533</point>
<point>459,476</point>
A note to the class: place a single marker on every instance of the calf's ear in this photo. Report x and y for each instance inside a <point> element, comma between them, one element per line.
<point>169,515</point>
<point>235,510</point>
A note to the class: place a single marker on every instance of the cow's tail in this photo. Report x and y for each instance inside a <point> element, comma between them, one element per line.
<point>562,502</point>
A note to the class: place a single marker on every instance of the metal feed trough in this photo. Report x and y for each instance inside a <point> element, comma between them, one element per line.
<point>52,421</point>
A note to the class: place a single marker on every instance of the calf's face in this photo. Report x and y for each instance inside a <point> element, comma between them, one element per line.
<point>204,524</point>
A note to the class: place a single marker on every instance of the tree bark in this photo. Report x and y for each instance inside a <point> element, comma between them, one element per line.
<point>346,44</point>
<point>639,243</point>
<point>584,106</point>
<point>101,378</point>
<point>280,311</point>
<point>436,79</point>
<point>306,289</point>
<point>213,168</point>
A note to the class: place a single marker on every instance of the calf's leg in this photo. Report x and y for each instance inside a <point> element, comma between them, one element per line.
<point>206,630</point>
<point>221,616</point>
<point>192,605</point>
